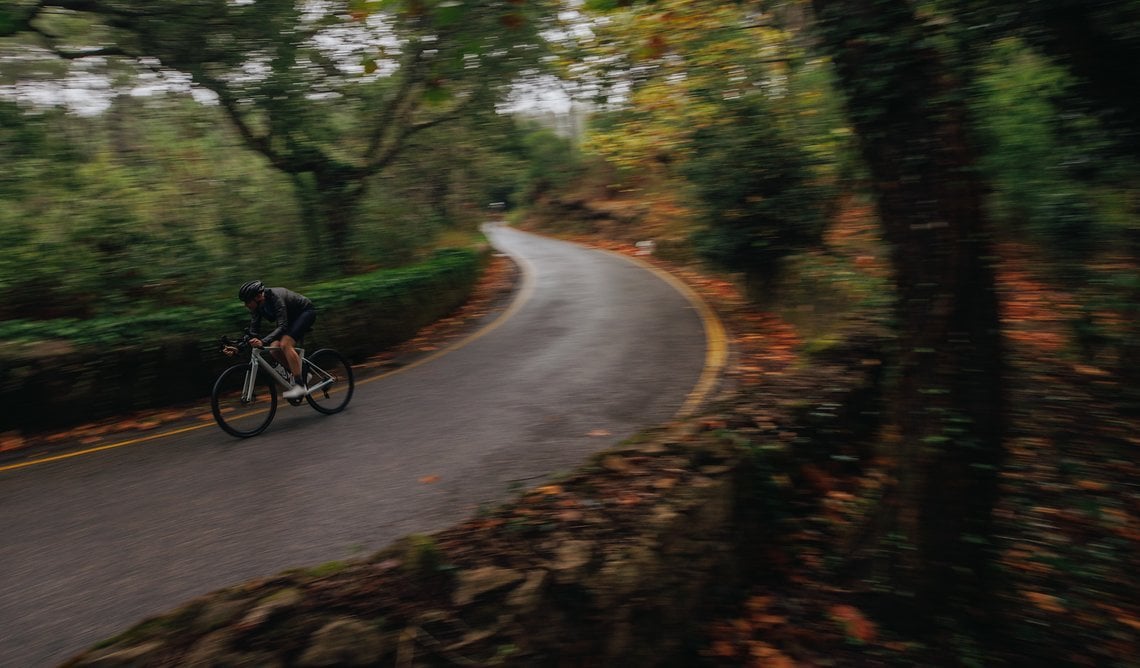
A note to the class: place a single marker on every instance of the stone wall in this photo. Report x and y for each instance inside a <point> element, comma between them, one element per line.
<point>613,566</point>
<point>607,567</point>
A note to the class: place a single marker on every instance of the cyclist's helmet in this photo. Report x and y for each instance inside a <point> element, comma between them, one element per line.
<point>250,290</point>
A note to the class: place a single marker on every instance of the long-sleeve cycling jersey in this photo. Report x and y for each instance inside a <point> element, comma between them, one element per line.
<point>282,306</point>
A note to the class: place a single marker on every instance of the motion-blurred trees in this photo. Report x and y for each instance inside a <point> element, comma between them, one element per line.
<point>662,69</point>
<point>329,92</point>
<point>1097,43</point>
<point>966,112</point>
<point>907,102</point>
<point>156,202</point>
<point>153,202</point>
<point>720,99</point>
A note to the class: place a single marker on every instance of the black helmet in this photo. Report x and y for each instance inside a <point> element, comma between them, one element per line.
<point>250,290</point>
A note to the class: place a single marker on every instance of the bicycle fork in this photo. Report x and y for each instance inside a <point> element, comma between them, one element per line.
<point>250,380</point>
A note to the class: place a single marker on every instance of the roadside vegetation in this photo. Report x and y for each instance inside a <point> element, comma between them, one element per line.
<point>155,204</point>
<point>944,192</point>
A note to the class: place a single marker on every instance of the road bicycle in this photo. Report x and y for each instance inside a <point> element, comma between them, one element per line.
<point>244,399</point>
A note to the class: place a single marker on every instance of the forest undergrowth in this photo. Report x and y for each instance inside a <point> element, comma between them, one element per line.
<point>1068,522</point>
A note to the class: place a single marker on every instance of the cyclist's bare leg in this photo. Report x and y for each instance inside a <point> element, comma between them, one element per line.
<point>287,346</point>
<point>278,353</point>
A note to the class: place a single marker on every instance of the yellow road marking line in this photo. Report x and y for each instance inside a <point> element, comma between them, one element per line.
<point>524,294</point>
<point>716,355</point>
<point>109,446</point>
<point>716,342</point>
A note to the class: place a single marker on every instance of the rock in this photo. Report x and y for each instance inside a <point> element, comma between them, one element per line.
<point>571,560</point>
<point>480,581</point>
<point>122,656</point>
<point>269,606</point>
<point>219,613</point>
<point>344,642</point>
<point>213,650</point>
<point>528,596</point>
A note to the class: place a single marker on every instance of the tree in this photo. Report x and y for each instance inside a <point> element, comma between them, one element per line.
<point>716,93</point>
<point>1098,42</point>
<point>328,92</point>
<point>91,200</point>
<point>905,100</point>
<point>662,69</point>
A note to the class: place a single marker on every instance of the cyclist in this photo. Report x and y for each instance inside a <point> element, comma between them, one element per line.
<point>294,314</point>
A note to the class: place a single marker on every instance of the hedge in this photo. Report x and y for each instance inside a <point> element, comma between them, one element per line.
<point>61,372</point>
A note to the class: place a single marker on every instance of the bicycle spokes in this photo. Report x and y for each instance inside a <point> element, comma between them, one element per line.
<point>243,402</point>
<point>331,387</point>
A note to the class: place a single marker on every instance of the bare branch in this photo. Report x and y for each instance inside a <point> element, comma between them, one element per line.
<point>230,104</point>
<point>400,141</point>
<point>393,108</point>
<point>90,53</point>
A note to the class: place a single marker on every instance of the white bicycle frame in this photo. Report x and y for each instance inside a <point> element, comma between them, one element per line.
<point>257,359</point>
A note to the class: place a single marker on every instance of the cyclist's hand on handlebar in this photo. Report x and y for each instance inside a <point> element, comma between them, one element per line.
<point>256,343</point>
<point>230,351</point>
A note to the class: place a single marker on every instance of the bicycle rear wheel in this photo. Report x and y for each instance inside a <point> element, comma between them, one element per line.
<point>237,416</point>
<point>333,397</point>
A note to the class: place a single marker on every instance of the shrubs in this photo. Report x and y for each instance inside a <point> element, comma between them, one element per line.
<point>756,186</point>
<point>58,372</point>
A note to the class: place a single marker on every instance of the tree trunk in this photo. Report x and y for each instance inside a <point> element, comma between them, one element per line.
<point>305,189</point>
<point>1128,366</point>
<point>948,397</point>
<point>329,201</point>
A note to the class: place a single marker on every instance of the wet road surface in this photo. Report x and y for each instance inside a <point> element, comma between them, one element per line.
<point>593,343</point>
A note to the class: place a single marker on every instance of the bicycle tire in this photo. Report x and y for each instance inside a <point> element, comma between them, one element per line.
<point>229,409</point>
<point>334,398</point>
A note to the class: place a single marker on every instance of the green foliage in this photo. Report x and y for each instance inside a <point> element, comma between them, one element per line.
<point>400,290</point>
<point>157,203</point>
<point>1041,153</point>
<point>326,569</point>
<point>422,556</point>
<point>56,372</point>
<point>760,201</point>
<point>553,162</point>
<point>729,99</point>
<point>395,285</point>
<point>1063,179</point>
<point>331,94</point>
<point>812,111</point>
<point>146,206</point>
<point>661,69</point>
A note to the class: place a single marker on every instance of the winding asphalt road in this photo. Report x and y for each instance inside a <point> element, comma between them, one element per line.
<point>593,343</point>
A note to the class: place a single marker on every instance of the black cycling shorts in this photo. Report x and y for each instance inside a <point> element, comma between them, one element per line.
<point>304,322</point>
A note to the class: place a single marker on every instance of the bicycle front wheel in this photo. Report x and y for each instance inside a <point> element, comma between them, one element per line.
<point>239,415</point>
<point>331,398</point>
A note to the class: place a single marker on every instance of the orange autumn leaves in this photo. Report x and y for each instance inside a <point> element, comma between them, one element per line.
<point>769,632</point>
<point>854,623</point>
